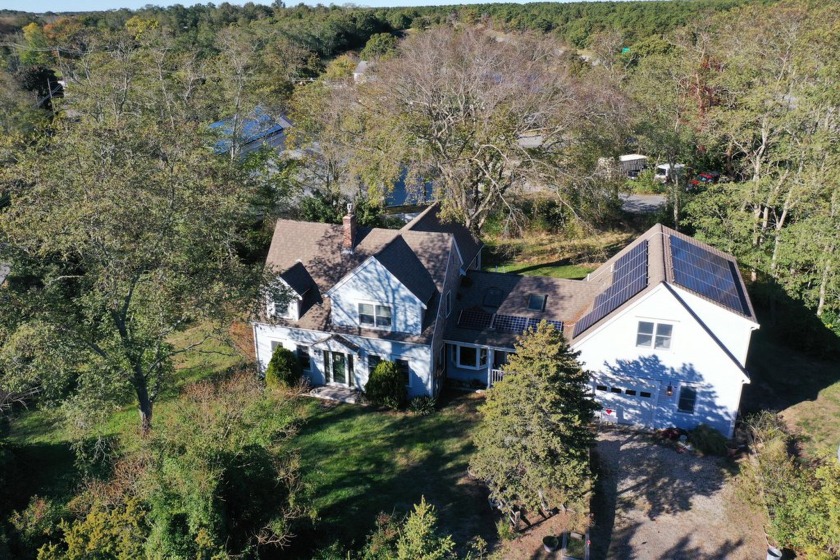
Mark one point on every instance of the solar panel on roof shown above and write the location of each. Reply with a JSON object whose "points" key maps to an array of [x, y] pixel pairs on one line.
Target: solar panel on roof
{"points": [[629, 277], [475, 319], [707, 274], [510, 323], [557, 324]]}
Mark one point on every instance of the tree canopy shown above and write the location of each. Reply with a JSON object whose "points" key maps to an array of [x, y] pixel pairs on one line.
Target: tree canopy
{"points": [[533, 441]]}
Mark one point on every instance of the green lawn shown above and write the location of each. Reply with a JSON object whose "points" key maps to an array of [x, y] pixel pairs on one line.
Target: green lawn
{"points": [[538, 253], [360, 462], [571, 271]]}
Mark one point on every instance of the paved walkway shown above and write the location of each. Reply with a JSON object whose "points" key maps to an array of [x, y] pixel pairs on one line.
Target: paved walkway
{"points": [[642, 203], [336, 393]]}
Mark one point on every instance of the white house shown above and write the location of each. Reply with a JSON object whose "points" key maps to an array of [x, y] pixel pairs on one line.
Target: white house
{"points": [[362, 295], [664, 325]]}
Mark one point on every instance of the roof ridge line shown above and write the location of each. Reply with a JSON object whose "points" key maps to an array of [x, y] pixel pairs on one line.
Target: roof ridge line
{"points": [[410, 225]]}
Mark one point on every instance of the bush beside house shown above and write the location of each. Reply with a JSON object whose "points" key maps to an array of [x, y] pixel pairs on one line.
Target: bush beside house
{"points": [[283, 369], [386, 386]]}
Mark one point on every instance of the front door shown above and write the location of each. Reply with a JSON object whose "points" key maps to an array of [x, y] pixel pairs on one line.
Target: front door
{"points": [[338, 368]]}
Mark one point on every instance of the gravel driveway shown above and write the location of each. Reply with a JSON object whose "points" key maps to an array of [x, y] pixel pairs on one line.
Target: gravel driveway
{"points": [[654, 503]]}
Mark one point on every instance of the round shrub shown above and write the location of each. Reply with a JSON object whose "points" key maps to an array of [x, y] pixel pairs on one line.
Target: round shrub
{"points": [[707, 440], [386, 386], [283, 369]]}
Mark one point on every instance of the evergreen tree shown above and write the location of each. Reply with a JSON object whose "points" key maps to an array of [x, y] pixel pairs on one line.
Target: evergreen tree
{"points": [[533, 439]]}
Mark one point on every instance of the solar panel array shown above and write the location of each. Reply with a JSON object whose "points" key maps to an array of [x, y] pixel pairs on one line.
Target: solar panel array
{"points": [[511, 323], [705, 273], [475, 318], [479, 319], [557, 324], [629, 277]]}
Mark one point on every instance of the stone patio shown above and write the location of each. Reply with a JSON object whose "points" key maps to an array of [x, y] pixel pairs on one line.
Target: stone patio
{"points": [[336, 393]]}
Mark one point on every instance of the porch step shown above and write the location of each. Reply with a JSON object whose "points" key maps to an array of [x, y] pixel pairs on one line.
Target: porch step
{"points": [[340, 394]]}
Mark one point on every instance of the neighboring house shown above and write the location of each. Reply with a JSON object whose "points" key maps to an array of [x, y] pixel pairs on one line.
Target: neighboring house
{"points": [[254, 131], [664, 325]]}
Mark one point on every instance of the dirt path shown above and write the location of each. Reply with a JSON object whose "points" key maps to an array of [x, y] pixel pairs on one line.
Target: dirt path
{"points": [[655, 503]]}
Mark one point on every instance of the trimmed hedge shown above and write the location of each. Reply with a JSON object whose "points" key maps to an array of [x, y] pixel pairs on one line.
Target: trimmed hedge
{"points": [[283, 369], [386, 386]]}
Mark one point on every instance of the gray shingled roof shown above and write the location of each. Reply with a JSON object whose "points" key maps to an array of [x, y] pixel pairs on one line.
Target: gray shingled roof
{"points": [[298, 279], [564, 299], [429, 221], [301, 250], [401, 261]]}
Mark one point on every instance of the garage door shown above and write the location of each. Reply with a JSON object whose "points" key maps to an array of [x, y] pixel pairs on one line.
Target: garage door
{"points": [[626, 401]]}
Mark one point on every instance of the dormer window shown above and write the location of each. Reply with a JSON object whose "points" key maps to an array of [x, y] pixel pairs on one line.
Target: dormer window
{"points": [[537, 302], [375, 315], [285, 311]]}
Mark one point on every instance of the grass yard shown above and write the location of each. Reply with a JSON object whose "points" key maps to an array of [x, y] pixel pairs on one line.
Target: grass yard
{"points": [[805, 389], [41, 442], [361, 462], [546, 254]]}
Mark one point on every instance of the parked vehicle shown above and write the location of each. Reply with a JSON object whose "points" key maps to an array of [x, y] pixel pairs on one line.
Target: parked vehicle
{"points": [[633, 164], [703, 179], [665, 174]]}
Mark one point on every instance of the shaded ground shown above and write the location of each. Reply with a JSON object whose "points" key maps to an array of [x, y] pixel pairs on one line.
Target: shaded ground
{"points": [[654, 503], [805, 389], [529, 545]]}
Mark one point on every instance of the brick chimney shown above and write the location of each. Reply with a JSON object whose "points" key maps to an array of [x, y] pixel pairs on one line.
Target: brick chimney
{"points": [[349, 239]]}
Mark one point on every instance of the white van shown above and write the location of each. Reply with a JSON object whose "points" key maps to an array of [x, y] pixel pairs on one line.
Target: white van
{"points": [[665, 174]]}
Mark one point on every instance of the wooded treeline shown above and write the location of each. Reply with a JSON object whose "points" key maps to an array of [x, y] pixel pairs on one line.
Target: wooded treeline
{"points": [[127, 218]]}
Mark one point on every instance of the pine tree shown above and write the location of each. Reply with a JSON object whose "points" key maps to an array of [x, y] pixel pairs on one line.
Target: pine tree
{"points": [[533, 439]]}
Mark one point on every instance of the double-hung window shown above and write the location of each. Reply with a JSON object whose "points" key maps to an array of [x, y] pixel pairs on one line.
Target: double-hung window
{"points": [[688, 398], [654, 335], [304, 358], [374, 315]]}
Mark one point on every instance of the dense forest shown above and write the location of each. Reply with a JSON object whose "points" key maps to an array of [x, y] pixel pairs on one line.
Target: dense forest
{"points": [[126, 218]]}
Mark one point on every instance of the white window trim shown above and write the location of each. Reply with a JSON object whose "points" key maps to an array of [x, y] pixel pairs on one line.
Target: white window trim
{"points": [[652, 345], [290, 312], [696, 396], [448, 303], [478, 365], [374, 326]]}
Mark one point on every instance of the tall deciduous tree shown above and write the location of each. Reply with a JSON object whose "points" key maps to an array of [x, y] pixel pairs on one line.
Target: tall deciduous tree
{"points": [[478, 117], [534, 437], [123, 228]]}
